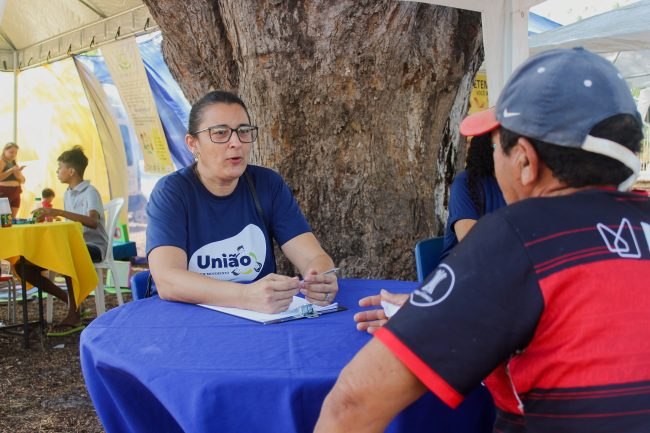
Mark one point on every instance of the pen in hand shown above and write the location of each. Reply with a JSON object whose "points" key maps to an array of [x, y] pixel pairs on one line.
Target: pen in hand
{"points": [[327, 272]]}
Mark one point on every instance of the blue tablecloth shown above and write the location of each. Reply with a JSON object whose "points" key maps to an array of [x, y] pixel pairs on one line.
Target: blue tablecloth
{"points": [[159, 366]]}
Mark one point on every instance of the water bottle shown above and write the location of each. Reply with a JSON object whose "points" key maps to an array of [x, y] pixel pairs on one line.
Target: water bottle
{"points": [[36, 216], [5, 212]]}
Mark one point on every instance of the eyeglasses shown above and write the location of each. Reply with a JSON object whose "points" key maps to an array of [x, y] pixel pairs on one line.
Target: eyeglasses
{"points": [[221, 133]]}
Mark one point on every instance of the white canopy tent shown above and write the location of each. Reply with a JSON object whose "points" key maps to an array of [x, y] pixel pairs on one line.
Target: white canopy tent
{"points": [[33, 32], [621, 35]]}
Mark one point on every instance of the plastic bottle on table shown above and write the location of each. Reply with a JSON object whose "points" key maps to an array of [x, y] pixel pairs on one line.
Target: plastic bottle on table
{"points": [[36, 216], [5, 212]]}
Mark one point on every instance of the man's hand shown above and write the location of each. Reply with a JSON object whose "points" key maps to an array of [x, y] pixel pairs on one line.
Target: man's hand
{"points": [[372, 320], [45, 211]]}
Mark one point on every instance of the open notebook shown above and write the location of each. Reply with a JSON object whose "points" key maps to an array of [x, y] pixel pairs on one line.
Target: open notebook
{"points": [[300, 308]]}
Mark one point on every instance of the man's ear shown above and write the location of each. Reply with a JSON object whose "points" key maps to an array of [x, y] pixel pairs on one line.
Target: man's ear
{"points": [[527, 162]]}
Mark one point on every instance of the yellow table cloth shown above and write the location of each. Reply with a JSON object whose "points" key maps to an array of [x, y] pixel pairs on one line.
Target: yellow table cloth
{"points": [[57, 246]]}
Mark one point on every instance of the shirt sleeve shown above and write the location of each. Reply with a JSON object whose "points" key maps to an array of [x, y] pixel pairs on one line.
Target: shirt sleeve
{"points": [[461, 205], [476, 309], [95, 202], [167, 216], [287, 220]]}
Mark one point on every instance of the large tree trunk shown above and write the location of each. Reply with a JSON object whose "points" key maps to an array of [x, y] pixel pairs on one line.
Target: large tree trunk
{"points": [[358, 104]]}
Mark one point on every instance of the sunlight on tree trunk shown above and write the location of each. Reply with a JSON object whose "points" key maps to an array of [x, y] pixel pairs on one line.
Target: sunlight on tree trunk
{"points": [[358, 104]]}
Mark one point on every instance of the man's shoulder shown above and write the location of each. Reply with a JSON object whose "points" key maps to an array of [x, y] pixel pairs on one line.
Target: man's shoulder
{"points": [[542, 214], [593, 196], [84, 189], [91, 188]]}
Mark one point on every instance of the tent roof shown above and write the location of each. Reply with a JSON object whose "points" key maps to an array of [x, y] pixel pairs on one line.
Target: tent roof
{"points": [[42, 30], [622, 35]]}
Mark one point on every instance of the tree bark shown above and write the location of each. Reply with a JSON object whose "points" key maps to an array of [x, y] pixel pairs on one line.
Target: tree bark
{"points": [[358, 104]]}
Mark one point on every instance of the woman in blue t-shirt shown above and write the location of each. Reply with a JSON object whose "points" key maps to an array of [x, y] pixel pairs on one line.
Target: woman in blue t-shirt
{"points": [[474, 192], [212, 224]]}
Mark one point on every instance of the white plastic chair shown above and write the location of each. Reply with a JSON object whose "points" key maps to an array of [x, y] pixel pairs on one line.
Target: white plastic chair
{"points": [[11, 296], [112, 208]]}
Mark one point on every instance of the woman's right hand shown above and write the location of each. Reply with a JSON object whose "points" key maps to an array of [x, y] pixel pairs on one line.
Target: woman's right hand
{"points": [[271, 294]]}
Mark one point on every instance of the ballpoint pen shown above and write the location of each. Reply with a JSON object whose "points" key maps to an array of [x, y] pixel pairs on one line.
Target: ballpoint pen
{"points": [[329, 271]]}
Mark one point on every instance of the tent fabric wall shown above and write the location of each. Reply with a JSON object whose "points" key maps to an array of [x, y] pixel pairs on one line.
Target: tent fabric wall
{"points": [[54, 115], [6, 107], [173, 108], [110, 137]]}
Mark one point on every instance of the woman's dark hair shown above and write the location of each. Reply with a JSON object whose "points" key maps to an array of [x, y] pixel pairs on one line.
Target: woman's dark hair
{"points": [[76, 159], [576, 167], [479, 164], [214, 97]]}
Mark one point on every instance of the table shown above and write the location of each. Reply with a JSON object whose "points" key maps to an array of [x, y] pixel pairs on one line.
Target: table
{"points": [[155, 365], [57, 246]]}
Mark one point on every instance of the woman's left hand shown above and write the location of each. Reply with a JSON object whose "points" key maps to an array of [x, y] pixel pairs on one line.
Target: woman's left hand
{"points": [[319, 289]]}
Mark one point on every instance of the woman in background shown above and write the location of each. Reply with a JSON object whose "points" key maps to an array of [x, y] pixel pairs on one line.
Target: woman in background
{"points": [[11, 177], [474, 192]]}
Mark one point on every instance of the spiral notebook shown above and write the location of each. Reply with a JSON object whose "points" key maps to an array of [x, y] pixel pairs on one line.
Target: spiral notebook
{"points": [[300, 308]]}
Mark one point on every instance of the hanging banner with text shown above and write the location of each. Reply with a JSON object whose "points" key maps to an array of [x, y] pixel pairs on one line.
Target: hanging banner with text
{"points": [[127, 70], [479, 99]]}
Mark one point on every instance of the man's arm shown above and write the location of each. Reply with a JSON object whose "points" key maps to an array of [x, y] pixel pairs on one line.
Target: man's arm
{"points": [[371, 390], [91, 220]]}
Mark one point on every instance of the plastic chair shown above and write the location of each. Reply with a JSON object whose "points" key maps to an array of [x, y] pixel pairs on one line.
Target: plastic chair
{"points": [[139, 284], [11, 296], [427, 255], [113, 208]]}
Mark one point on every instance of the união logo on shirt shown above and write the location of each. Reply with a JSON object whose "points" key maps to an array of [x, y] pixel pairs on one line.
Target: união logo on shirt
{"points": [[239, 258]]}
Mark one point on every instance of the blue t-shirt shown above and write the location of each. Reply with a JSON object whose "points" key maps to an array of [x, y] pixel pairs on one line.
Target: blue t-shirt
{"points": [[462, 207], [224, 237]]}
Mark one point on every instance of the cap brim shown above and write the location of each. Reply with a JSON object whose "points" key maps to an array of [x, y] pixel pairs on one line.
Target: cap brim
{"points": [[479, 123]]}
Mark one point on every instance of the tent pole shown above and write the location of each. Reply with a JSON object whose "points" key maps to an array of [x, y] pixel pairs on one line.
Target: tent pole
{"points": [[15, 119]]}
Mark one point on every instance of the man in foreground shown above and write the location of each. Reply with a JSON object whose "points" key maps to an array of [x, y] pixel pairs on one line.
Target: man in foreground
{"points": [[547, 298]]}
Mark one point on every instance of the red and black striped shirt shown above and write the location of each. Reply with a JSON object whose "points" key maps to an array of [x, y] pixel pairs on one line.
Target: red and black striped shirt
{"points": [[549, 299]]}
